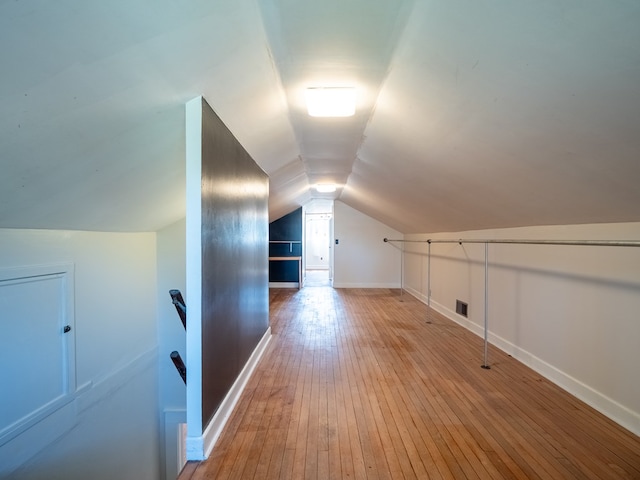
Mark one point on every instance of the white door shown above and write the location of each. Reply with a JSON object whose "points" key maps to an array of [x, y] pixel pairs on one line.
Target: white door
{"points": [[318, 238]]}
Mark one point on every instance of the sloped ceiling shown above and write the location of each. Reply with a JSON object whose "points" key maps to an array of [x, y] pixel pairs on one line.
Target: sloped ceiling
{"points": [[470, 114]]}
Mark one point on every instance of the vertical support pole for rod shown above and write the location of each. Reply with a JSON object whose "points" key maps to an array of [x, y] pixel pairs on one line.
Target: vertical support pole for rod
{"points": [[485, 365], [429, 275], [401, 270]]}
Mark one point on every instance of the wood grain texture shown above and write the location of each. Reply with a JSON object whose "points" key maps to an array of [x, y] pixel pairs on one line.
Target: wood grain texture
{"points": [[365, 384]]}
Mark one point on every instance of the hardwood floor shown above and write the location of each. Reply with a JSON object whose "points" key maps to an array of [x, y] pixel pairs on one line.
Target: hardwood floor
{"points": [[367, 384]]}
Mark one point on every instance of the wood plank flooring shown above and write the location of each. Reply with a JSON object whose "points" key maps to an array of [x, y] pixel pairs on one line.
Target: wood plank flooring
{"points": [[365, 384]]}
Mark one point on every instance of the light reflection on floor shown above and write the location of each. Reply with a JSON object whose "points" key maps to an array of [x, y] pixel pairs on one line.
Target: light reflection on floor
{"points": [[317, 278]]}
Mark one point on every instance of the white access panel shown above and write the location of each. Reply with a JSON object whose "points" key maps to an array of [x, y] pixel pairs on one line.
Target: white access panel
{"points": [[37, 345]]}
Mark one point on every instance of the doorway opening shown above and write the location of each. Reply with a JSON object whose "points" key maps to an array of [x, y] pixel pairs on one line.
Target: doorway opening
{"points": [[318, 251]]}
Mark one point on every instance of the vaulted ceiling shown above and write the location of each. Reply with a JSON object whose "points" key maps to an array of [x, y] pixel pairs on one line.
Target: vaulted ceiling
{"points": [[470, 114]]}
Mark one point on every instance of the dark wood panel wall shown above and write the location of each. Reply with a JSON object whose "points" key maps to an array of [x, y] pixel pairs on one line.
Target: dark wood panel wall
{"points": [[235, 285]]}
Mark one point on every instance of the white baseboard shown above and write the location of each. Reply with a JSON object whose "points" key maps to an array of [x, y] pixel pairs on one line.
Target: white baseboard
{"points": [[217, 423], [283, 284], [605, 405], [174, 441], [364, 285], [420, 296], [182, 442]]}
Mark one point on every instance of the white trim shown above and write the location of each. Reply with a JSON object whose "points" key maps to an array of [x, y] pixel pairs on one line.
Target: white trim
{"points": [[284, 285], [193, 294], [182, 442], [415, 293], [199, 448], [95, 391], [69, 414], [174, 433], [194, 447], [64, 275], [365, 285], [460, 320], [35, 439], [605, 405], [323, 268]]}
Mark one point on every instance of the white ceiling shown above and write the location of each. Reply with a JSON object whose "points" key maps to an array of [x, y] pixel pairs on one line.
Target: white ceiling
{"points": [[471, 114]]}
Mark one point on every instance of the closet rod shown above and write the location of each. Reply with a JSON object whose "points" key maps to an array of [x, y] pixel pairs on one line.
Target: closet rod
{"points": [[486, 242], [593, 243]]}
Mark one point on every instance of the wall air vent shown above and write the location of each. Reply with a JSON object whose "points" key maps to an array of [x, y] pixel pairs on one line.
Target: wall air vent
{"points": [[461, 308]]}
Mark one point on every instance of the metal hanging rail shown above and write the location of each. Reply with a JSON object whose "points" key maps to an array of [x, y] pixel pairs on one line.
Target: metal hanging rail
{"points": [[594, 243], [486, 242]]}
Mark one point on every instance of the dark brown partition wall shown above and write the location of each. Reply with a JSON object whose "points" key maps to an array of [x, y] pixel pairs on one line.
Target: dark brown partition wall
{"points": [[235, 284]]}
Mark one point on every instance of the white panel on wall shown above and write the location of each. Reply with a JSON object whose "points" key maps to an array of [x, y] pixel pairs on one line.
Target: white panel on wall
{"points": [[38, 348], [110, 426]]}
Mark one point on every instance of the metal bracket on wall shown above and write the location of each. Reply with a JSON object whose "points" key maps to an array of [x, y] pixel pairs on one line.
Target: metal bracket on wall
{"points": [[181, 308], [179, 364]]}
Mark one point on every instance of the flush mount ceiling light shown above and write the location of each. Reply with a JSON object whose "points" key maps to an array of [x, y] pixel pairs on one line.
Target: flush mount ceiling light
{"points": [[325, 188], [331, 101]]}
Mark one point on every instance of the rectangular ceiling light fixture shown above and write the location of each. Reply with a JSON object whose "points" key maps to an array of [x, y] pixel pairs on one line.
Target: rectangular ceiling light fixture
{"points": [[325, 188], [331, 101]]}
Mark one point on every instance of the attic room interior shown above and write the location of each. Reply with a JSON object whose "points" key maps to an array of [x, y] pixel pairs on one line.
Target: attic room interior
{"points": [[473, 212]]}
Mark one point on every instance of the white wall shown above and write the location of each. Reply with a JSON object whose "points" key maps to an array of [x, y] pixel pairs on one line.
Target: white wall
{"points": [[361, 258], [110, 429], [171, 336], [569, 312]]}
